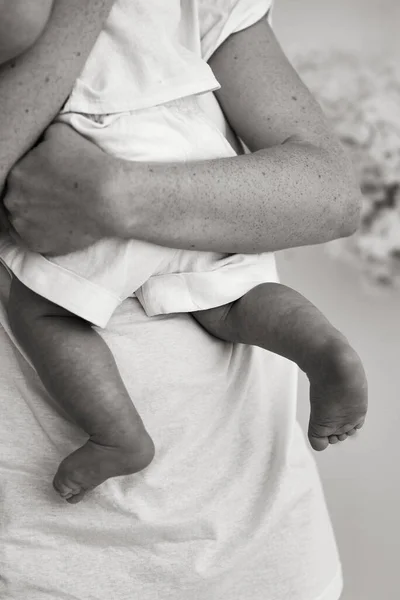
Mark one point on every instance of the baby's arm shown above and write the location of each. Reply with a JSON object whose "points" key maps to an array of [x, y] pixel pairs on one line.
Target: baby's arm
{"points": [[278, 319]]}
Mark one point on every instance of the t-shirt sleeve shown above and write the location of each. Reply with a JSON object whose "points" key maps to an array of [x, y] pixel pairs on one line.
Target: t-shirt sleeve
{"points": [[220, 18]]}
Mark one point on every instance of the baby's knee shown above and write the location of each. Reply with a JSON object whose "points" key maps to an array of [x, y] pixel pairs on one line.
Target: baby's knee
{"points": [[21, 24]]}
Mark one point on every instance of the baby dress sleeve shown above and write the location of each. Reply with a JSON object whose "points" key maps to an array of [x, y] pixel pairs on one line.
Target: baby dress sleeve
{"points": [[218, 19]]}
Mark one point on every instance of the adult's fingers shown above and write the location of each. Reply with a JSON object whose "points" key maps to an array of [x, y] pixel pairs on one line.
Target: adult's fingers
{"points": [[6, 227], [5, 224]]}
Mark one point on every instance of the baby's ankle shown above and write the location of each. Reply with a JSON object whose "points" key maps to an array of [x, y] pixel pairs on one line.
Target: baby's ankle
{"points": [[125, 438], [138, 446], [331, 355]]}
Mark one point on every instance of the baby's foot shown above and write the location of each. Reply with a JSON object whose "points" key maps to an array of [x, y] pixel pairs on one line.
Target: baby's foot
{"points": [[338, 395], [93, 463]]}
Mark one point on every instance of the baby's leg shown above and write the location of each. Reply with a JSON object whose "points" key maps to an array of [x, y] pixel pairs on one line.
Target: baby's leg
{"points": [[282, 321], [21, 24], [78, 370]]}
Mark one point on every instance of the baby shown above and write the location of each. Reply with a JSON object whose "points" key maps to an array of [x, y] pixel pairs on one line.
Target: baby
{"points": [[54, 304]]}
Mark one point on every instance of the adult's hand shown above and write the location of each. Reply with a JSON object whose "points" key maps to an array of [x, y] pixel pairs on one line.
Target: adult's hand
{"points": [[58, 195]]}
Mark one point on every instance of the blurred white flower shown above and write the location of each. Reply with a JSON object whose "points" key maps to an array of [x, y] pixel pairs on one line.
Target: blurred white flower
{"points": [[362, 100]]}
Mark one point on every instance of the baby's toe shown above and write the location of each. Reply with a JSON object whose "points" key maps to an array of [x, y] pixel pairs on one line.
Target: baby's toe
{"points": [[65, 489], [76, 497], [61, 488], [318, 443], [352, 432], [333, 439], [342, 437]]}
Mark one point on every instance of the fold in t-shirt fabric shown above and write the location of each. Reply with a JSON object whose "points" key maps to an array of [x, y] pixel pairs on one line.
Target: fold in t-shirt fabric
{"points": [[171, 43]]}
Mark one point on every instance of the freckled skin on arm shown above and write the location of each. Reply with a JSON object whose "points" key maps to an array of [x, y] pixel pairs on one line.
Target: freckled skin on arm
{"points": [[297, 187], [33, 87]]}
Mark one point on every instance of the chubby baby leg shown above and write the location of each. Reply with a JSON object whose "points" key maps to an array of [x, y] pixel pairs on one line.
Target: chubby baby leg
{"points": [[79, 371], [279, 319]]}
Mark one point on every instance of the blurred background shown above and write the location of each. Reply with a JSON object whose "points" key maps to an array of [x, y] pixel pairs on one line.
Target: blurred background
{"points": [[346, 52]]}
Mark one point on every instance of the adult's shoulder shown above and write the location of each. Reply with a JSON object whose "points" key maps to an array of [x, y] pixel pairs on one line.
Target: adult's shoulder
{"points": [[218, 19]]}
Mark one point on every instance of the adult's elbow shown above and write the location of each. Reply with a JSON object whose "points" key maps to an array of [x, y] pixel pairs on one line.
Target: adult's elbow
{"points": [[348, 217], [347, 204], [352, 220]]}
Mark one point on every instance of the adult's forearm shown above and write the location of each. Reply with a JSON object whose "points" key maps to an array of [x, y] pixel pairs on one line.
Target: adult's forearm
{"points": [[286, 196], [34, 86]]}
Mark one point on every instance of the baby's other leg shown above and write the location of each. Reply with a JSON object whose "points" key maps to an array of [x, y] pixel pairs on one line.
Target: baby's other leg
{"points": [[279, 319], [21, 24], [79, 371]]}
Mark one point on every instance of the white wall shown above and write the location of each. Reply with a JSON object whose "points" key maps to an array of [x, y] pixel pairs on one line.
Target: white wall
{"points": [[361, 476], [371, 26]]}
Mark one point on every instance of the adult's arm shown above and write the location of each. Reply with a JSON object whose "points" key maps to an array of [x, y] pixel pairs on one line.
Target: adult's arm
{"points": [[296, 188], [34, 86]]}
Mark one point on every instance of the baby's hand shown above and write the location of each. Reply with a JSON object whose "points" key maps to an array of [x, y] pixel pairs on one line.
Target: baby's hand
{"points": [[338, 396]]}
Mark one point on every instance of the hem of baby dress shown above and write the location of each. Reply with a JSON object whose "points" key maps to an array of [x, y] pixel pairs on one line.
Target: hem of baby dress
{"points": [[59, 285], [188, 292], [85, 103]]}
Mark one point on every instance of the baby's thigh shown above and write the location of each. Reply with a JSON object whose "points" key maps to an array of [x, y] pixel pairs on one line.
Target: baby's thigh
{"points": [[214, 320]]}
